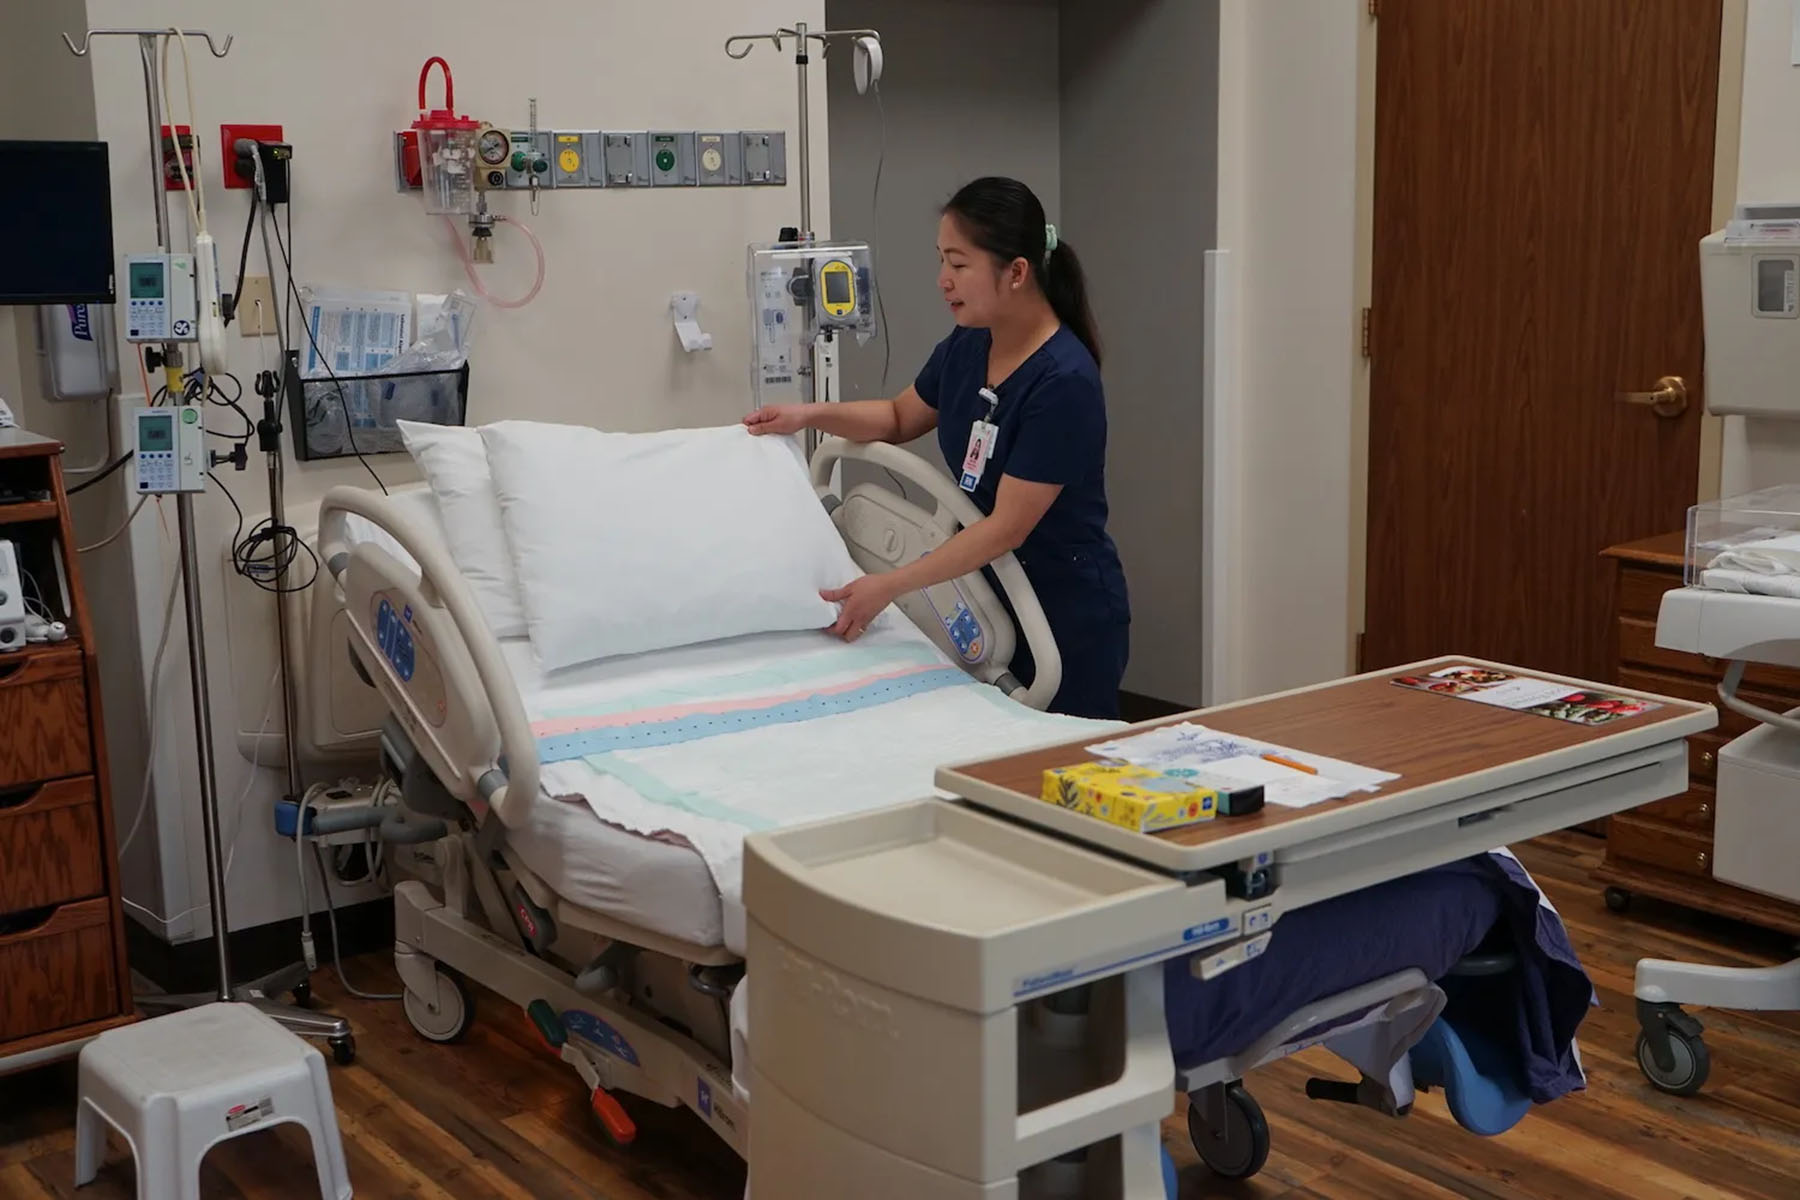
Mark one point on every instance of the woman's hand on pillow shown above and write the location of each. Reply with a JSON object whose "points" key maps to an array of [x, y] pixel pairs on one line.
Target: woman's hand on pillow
{"points": [[779, 419], [860, 602]]}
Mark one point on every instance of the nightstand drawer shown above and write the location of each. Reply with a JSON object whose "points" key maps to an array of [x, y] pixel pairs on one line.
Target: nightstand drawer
{"points": [[58, 968], [43, 713], [1658, 844], [50, 844], [1694, 810]]}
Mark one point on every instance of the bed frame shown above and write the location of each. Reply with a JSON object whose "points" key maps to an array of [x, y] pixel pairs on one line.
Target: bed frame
{"points": [[629, 1009]]}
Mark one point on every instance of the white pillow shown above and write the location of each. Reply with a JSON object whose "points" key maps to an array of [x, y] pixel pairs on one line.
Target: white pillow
{"points": [[632, 542], [455, 464]]}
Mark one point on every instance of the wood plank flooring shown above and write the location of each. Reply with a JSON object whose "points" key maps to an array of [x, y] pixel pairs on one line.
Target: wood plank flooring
{"points": [[496, 1117]]}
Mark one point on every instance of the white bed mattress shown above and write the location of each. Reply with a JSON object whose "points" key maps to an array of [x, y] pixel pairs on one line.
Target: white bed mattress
{"points": [[659, 884]]}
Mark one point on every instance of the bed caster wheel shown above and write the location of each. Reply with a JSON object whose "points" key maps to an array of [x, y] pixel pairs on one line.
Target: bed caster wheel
{"points": [[1236, 1147], [1686, 1062], [343, 1050], [302, 995], [1618, 899], [451, 1016]]}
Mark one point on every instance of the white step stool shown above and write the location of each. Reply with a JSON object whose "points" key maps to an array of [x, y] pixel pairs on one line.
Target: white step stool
{"points": [[176, 1086]]}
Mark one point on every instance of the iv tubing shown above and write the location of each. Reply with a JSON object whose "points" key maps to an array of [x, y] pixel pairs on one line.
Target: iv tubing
{"points": [[462, 252]]}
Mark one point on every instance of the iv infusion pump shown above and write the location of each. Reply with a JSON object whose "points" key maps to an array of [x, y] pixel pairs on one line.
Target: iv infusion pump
{"points": [[805, 296], [161, 300], [170, 448]]}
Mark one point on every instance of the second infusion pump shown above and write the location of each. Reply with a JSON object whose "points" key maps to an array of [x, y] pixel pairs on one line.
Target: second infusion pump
{"points": [[802, 293]]}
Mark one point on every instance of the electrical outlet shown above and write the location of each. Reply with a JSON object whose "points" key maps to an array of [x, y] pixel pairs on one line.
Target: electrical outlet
{"points": [[252, 322]]}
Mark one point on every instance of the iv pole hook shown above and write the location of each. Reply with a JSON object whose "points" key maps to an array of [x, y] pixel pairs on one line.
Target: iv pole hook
{"points": [[218, 51]]}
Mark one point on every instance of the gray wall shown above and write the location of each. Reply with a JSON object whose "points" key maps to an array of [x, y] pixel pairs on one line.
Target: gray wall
{"points": [[970, 89], [1108, 109], [1139, 96]]}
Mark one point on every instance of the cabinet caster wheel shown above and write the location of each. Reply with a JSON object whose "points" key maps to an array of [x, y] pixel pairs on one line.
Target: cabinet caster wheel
{"points": [[1239, 1147], [1618, 899], [343, 1050], [1688, 1065]]}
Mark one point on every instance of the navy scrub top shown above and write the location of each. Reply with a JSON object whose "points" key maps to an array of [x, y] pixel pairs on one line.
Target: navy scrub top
{"points": [[1051, 422]]}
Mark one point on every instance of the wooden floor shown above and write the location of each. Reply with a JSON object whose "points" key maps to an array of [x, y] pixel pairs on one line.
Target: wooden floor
{"points": [[496, 1117]]}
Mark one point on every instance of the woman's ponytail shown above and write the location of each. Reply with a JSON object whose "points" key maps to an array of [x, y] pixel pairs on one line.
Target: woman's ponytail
{"points": [[1065, 286], [1005, 218]]}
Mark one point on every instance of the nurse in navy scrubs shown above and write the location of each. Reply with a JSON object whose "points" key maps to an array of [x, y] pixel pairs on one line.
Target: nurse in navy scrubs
{"points": [[1021, 372]]}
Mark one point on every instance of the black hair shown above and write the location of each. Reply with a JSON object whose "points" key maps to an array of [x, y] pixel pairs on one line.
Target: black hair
{"points": [[1003, 217]]}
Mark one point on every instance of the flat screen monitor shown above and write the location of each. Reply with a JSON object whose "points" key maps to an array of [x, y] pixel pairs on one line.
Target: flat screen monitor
{"points": [[61, 251]]}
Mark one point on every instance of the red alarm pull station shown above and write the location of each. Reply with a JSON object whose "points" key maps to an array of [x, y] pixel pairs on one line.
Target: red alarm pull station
{"points": [[229, 136]]}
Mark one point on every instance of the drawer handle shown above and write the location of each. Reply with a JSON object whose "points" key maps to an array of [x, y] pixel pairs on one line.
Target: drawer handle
{"points": [[24, 922], [1706, 758], [20, 797], [1705, 808], [1700, 858], [10, 668]]}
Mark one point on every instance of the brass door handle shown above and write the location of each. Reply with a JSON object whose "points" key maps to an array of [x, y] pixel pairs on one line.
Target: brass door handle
{"points": [[1668, 399]]}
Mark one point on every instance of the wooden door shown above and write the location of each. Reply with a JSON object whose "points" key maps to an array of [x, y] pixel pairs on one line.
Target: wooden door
{"points": [[1543, 175]]}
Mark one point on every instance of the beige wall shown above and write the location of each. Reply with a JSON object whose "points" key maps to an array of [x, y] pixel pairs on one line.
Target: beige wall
{"points": [[595, 347], [1287, 212]]}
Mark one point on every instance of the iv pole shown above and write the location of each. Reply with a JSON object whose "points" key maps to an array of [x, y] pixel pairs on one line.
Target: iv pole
{"points": [[739, 46], [335, 1030]]}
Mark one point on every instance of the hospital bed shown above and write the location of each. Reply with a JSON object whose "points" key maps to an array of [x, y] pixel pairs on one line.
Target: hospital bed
{"points": [[566, 889]]}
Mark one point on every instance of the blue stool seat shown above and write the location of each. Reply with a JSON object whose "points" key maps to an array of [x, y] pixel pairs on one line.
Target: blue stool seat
{"points": [[1480, 1084]]}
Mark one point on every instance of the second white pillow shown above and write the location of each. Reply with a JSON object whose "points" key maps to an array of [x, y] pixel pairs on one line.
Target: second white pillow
{"points": [[625, 543], [455, 464]]}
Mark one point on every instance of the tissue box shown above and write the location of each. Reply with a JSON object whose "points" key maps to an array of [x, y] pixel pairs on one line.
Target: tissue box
{"points": [[1133, 797]]}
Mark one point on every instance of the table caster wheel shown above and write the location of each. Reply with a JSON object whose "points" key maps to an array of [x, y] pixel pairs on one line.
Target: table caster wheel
{"points": [[343, 1050], [1618, 899], [1687, 1066], [303, 995], [1239, 1147]]}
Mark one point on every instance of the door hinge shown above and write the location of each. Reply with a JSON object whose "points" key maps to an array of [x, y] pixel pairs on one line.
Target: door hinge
{"points": [[1374, 8], [1368, 349]]}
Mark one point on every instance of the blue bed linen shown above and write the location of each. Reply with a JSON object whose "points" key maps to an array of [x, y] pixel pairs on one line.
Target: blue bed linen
{"points": [[1429, 921]]}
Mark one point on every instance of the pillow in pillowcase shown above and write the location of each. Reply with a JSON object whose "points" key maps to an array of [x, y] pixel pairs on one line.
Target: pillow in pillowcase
{"points": [[454, 462], [629, 542]]}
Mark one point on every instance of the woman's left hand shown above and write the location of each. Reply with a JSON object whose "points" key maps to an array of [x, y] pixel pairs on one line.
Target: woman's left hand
{"points": [[862, 600]]}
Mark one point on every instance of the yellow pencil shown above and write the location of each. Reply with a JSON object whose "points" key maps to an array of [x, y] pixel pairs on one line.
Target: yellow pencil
{"points": [[1288, 762]]}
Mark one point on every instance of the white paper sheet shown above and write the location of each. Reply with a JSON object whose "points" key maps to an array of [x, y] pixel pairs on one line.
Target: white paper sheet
{"points": [[1187, 746]]}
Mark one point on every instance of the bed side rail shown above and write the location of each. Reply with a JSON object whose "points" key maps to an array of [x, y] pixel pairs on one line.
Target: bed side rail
{"points": [[953, 511], [422, 640]]}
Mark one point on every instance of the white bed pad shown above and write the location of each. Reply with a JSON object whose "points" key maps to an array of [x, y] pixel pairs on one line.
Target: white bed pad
{"points": [[726, 773]]}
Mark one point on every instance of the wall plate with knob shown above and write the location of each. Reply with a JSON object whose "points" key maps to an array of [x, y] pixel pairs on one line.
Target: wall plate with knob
{"points": [[672, 160], [721, 159]]}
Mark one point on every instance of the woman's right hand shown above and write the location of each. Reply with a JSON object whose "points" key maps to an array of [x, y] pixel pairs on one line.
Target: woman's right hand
{"points": [[777, 419]]}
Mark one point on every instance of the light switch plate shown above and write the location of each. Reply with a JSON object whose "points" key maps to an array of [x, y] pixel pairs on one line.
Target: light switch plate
{"points": [[250, 322]]}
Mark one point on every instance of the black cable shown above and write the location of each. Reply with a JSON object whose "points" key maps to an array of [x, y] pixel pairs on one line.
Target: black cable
{"points": [[267, 551], [287, 260], [887, 340], [244, 254], [112, 466]]}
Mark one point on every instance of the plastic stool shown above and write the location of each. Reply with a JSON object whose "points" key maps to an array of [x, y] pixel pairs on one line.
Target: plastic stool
{"points": [[176, 1086]]}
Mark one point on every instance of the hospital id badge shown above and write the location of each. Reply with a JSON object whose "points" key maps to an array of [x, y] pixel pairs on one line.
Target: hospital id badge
{"points": [[982, 435]]}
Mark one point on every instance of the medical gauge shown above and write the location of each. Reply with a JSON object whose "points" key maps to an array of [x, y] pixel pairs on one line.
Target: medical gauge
{"points": [[493, 147], [805, 296], [170, 447], [161, 302]]}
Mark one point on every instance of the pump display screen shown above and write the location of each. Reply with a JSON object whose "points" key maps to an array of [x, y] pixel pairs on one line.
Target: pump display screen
{"points": [[837, 287], [154, 435], [146, 281]]}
